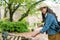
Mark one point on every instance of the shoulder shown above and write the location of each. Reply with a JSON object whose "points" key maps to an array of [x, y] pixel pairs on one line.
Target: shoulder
{"points": [[50, 15]]}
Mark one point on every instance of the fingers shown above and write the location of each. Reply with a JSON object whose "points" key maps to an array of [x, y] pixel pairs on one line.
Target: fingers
{"points": [[34, 35]]}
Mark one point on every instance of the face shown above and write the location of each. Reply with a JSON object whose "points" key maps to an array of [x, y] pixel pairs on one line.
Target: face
{"points": [[44, 10]]}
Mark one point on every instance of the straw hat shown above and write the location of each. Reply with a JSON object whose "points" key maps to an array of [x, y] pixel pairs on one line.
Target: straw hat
{"points": [[42, 5]]}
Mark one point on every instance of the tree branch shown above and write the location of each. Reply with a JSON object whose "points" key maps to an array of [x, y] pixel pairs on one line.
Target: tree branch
{"points": [[6, 2], [5, 12], [27, 12], [15, 8]]}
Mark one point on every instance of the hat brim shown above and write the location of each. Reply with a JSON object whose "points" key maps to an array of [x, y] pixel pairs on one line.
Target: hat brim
{"points": [[42, 7]]}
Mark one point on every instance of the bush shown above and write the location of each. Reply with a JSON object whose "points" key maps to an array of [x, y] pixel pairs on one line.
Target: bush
{"points": [[15, 26]]}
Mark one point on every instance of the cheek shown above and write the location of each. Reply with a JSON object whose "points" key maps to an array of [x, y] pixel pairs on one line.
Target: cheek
{"points": [[44, 10]]}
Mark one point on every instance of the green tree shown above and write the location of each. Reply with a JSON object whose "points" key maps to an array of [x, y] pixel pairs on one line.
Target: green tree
{"points": [[29, 9], [13, 5]]}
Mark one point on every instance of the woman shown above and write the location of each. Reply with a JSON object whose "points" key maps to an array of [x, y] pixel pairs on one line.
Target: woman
{"points": [[50, 23]]}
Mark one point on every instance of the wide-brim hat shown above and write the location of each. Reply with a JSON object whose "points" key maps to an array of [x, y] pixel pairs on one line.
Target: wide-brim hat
{"points": [[42, 5]]}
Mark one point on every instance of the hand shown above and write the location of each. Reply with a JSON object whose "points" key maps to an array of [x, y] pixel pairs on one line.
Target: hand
{"points": [[35, 35]]}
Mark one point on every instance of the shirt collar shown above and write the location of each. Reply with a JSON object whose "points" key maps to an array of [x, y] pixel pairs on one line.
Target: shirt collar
{"points": [[45, 14]]}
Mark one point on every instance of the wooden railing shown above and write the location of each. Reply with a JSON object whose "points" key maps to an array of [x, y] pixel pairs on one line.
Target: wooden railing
{"points": [[17, 38], [24, 36], [7, 36]]}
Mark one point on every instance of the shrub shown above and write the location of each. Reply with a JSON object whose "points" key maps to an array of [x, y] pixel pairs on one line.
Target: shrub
{"points": [[15, 26]]}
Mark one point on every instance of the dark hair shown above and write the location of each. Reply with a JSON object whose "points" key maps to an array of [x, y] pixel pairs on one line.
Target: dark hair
{"points": [[49, 11]]}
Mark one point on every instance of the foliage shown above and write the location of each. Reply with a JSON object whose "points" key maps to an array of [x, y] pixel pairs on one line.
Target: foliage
{"points": [[29, 9], [14, 26], [13, 5]]}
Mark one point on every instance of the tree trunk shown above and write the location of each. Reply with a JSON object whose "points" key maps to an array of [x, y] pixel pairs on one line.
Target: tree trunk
{"points": [[11, 17], [10, 13], [5, 13]]}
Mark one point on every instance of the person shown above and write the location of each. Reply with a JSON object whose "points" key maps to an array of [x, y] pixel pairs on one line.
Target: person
{"points": [[50, 23]]}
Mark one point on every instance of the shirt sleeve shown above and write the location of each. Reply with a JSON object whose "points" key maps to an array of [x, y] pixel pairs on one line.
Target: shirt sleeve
{"points": [[47, 24]]}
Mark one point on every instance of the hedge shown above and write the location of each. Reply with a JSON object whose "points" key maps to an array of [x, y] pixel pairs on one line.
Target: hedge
{"points": [[14, 26]]}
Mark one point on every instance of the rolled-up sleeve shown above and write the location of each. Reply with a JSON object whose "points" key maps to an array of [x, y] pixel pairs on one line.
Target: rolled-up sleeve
{"points": [[47, 24]]}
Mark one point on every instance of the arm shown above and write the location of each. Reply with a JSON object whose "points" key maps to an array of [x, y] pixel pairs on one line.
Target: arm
{"points": [[47, 24]]}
